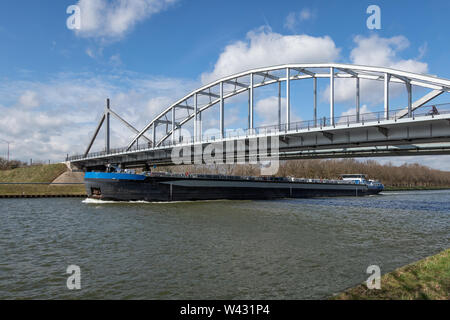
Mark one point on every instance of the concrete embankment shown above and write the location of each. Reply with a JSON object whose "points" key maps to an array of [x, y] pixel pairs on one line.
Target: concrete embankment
{"points": [[427, 279], [69, 177], [54, 180]]}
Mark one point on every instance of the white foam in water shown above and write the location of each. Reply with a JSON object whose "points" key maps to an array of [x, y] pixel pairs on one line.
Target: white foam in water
{"points": [[97, 201], [409, 192]]}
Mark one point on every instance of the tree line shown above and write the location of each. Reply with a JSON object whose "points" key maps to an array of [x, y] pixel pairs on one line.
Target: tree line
{"points": [[11, 164], [406, 175]]}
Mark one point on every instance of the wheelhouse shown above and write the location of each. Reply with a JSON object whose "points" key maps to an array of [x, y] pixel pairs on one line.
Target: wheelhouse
{"points": [[356, 178]]}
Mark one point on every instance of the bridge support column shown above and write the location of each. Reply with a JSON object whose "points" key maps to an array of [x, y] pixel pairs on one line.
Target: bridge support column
{"points": [[315, 100], [222, 122], [358, 102], [250, 106], [107, 118], [332, 96], [387, 78], [288, 99]]}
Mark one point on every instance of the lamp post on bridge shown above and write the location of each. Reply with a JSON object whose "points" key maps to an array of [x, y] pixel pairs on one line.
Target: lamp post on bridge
{"points": [[7, 142]]}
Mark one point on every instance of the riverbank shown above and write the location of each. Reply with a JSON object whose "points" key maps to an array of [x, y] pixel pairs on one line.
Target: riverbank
{"points": [[427, 279], [39, 181], [40, 190], [33, 174]]}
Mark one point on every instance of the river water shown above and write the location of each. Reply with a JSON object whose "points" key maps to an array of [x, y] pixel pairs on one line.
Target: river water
{"points": [[283, 249]]}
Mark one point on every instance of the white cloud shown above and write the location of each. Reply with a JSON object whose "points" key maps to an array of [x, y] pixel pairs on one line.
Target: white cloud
{"points": [[381, 52], [350, 114], [423, 50], [29, 99], [267, 110], [293, 19], [95, 52], [305, 14], [115, 60], [156, 105], [113, 19], [352, 111], [71, 104], [90, 52], [265, 48], [378, 51]]}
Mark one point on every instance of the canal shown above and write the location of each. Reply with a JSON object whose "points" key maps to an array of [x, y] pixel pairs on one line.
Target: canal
{"points": [[282, 249]]}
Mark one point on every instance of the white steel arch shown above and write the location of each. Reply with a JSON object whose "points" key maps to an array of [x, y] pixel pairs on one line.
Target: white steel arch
{"points": [[251, 79]]}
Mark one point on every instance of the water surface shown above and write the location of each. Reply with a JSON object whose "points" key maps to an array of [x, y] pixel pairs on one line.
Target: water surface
{"points": [[282, 249]]}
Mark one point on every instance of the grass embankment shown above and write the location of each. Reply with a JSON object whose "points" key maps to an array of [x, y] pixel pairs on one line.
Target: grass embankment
{"points": [[427, 279], [37, 174]]}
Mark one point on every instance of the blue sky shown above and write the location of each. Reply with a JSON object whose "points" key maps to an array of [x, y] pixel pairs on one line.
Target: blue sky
{"points": [[145, 54]]}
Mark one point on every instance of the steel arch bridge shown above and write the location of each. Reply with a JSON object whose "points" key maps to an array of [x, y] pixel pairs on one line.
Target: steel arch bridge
{"points": [[335, 136]]}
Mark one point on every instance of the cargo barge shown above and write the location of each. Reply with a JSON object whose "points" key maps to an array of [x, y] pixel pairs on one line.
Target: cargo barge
{"points": [[156, 186]]}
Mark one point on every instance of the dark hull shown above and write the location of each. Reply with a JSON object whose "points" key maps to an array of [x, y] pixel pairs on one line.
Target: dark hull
{"points": [[180, 189]]}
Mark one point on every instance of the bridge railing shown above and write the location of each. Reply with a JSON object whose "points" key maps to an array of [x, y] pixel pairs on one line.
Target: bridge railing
{"points": [[370, 117]]}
